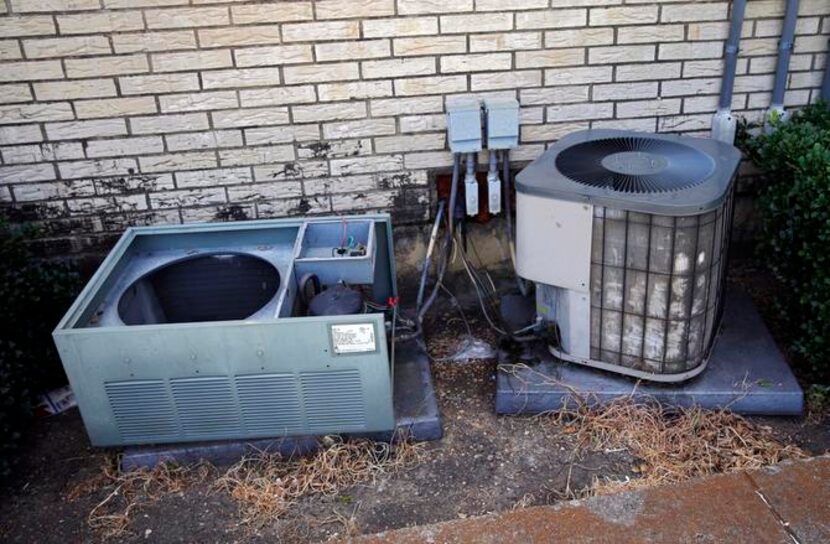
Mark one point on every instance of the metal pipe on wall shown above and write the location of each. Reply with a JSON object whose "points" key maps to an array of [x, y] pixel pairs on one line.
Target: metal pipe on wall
{"points": [[723, 123], [825, 83], [782, 68]]}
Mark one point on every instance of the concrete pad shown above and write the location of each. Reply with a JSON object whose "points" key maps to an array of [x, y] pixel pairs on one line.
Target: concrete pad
{"points": [[723, 508], [416, 416], [747, 373]]}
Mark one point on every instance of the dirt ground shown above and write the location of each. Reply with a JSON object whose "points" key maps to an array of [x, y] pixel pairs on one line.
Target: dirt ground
{"points": [[484, 464]]}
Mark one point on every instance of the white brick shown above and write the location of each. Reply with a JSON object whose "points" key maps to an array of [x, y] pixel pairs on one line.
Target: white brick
{"points": [[173, 103], [76, 130], [105, 21], [43, 6], [411, 142], [627, 91], [158, 84], [340, 184], [137, 183], [688, 50], [550, 58], [30, 192], [463, 24], [428, 159], [106, 66], [13, 26], [684, 87], [10, 94], [249, 117], [235, 36], [647, 108], [618, 16], [27, 173], [682, 13], [29, 113], [551, 18], [360, 128], [366, 49], [655, 70], [281, 134], [506, 80], [549, 131], [745, 84], [31, 70], [263, 191], [124, 146], [337, 9], [192, 60], [362, 165], [170, 40], [423, 123], [579, 37], [430, 85], [621, 53], [256, 155], [115, 107], [204, 140], [505, 41], [335, 149], [246, 77], [642, 124], [429, 45], [579, 112], [554, 95], [277, 96], [314, 73], [577, 75], [476, 62], [810, 44], [43, 152], [97, 167], [709, 31], [161, 124], [107, 204], [10, 50], [650, 34], [66, 47], [172, 162], [328, 112], [272, 56], [191, 197], [266, 13], [402, 106], [66, 90], [311, 32], [219, 176], [404, 26], [421, 66], [20, 134], [354, 90], [504, 5], [187, 17], [418, 7], [290, 171]]}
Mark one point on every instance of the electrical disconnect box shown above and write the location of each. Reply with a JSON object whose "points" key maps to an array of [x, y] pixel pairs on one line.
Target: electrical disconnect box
{"points": [[464, 125], [502, 123]]}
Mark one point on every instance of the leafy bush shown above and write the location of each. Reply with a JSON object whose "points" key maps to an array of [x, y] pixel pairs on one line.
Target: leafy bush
{"points": [[34, 295], [795, 216]]}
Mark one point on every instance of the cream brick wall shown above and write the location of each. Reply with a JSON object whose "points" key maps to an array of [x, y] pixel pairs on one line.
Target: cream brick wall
{"points": [[125, 112]]}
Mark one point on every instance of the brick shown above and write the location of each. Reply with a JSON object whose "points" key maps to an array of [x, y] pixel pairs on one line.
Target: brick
{"points": [[328, 112], [649, 34], [423, 123], [169, 40], [233, 36], [463, 24], [314, 73], [577, 75], [354, 90], [172, 162], [174, 103], [335, 149], [366, 49], [683, 13], [579, 112], [28, 113], [337, 9], [621, 53], [359, 128], [403, 26], [161, 124], [31, 70], [13, 26], [328, 31], [246, 77], [272, 56], [504, 5], [106, 21], [66, 47], [506, 80], [627, 15], [282, 134], [646, 108], [66, 90], [107, 204], [187, 197], [549, 131], [187, 17], [10, 94], [404, 106], [263, 191], [579, 37], [115, 107], [682, 87], [429, 45], [277, 96], [655, 70], [745, 84], [418, 7], [106, 66], [31, 192], [219, 176], [10, 50], [708, 31], [192, 60], [204, 140], [44, 6], [554, 95], [43, 152], [688, 50], [772, 27], [159, 83], [249, 117], [476, 62], [26, 173], [341, 184], [256, 155], [619, 91], [362, 165], [20, 134], [642, 124], [410, 142], [550, 18], [810, 44], [398, 67], [430, 85], [124, 146], [119, 4], [290, 171], [76, 130], [266, 13], [97, 167], [428, 159], [505, 41], [549, 58]]}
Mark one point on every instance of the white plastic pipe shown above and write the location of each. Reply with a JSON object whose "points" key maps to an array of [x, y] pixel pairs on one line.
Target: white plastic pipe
{"points": [[493, 185], [471, 186]]}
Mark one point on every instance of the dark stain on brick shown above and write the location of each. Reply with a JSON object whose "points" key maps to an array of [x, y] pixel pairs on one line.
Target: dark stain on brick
{"points": [[290, 170], [302, 207], [232, 213], [135, 184], [393, 181], [319, 150], [27, 213]]}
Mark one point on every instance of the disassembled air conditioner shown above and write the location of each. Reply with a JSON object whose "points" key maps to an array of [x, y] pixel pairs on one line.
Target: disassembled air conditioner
{"points": [[235, 331], [626, 236]]}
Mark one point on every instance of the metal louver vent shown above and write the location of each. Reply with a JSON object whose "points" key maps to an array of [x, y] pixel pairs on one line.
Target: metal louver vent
{"points": [[270, 404], [206, 407], [333, 400], [634, 164], [142, 410]]}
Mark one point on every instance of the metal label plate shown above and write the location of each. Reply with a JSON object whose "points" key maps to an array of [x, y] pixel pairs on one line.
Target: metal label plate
{"points": [[353, 338]]}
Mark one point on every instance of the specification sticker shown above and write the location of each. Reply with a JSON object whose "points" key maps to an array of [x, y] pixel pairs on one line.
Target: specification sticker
{"points": [[353, 338]]}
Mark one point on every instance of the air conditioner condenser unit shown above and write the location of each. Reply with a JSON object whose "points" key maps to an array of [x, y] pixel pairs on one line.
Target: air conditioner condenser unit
{"points": [[626, 235]]}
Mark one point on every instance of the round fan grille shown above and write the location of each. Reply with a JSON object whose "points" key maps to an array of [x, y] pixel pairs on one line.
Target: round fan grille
{"points": [[635, 165]]}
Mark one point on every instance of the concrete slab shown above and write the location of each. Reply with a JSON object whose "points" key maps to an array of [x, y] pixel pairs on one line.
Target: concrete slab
{"points": [[747, 373], [416, 416]]}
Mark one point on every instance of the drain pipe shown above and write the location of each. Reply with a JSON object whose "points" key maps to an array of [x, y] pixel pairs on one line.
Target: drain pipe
{"points": [[825, 84], [428, 258], [723, 123], [508, 217], [785, 48]]}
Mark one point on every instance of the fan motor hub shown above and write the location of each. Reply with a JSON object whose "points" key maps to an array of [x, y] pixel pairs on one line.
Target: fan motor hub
{"points": [[635, 163]]}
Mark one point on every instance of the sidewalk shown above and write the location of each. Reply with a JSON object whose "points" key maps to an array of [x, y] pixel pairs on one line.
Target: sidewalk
{"points": [[787, 503]]}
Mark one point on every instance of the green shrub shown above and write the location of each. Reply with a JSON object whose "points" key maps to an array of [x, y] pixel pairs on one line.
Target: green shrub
{"points": [[795, 214], [34, 295]]}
